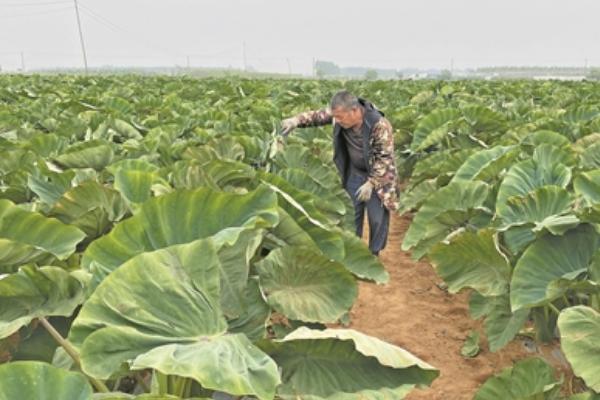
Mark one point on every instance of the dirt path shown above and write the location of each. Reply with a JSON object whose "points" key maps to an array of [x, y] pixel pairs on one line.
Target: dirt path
{"points": [[414, 313]]}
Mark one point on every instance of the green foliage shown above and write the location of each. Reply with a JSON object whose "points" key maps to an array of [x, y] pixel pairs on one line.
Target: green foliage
{"points": [[104, 180], [169, 212], [580, 336], [532, 378], [23, 380]]}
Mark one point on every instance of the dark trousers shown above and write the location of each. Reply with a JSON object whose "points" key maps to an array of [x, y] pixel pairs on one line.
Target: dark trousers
{"points": [[377, 215]]}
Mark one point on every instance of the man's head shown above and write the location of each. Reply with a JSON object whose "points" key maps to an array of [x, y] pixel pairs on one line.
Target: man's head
{"points": [[346, 109]]}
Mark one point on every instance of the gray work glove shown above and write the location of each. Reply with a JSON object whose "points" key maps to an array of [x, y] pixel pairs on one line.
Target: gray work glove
{"points": [[364, 192], [288, 125]]}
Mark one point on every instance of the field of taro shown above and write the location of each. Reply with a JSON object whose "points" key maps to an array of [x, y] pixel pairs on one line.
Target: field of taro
{"points": [[160, 240]]}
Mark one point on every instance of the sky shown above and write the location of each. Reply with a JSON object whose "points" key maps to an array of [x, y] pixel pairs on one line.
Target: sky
{"points": [[285, 36]]}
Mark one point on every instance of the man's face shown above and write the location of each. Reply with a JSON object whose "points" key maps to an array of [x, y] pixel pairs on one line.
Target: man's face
{"points": [[347, 118]]}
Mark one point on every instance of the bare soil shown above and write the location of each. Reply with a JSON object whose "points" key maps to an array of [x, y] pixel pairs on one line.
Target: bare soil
{"points": [[413, 311]]}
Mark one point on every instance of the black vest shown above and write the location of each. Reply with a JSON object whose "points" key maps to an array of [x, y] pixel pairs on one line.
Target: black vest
{"points": [[340, 150]]}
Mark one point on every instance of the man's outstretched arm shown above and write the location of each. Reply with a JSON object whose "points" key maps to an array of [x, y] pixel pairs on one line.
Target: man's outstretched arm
{"points": [[309, 118]]}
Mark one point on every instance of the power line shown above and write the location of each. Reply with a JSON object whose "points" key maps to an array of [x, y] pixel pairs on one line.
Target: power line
{"points": [[92, 53], [111, 25], [33, 14], [37, 4], [115, 29]]}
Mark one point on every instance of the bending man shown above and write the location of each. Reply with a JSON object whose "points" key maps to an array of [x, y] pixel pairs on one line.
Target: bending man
{"points": [[363, 152]]}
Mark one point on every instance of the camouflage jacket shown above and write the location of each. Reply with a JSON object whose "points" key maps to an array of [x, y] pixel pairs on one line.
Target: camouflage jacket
{"points": [[379, 150]]}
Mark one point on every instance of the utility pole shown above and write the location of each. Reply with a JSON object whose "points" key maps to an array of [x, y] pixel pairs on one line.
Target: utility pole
{"points": [[314, 68], [81, 37], [22, 62], [289, 65]]}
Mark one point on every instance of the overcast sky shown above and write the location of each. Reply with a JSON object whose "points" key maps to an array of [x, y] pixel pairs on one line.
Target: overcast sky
{"points": [[280, 34]]}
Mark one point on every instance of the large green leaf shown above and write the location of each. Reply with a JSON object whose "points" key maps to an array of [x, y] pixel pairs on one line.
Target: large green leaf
{"points": [[304, 285], [517, 238], [355, 255], [91, 207], [291, 231], [309, 204], [296, 228], [236, 247], [415, 196], [227, 363], [255, 313], [123, 130], [479, 306], [300, 206], [440, 164], [486, 164], [536, 138], [177, 218], [36, 292], [95, 154], [344, 364], [299, 158], [591, 156], [529, 379], [293, 156], [472, 260], [548, 259], [47, 145], [179, 332], [483, 119], [525, 177], [502, 324], [433, 128], [580, 340], [581, 113], [34, 380], [254, 148], [227, 148], [459, 200], [216, 174], [548, 155], [587, 185], [544, 208], [26, 236], [304, 181], [49, 186], [134, 179], [360, 261]]}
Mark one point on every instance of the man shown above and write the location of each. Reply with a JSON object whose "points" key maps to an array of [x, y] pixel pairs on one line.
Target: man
{"points": [[363, 148]]}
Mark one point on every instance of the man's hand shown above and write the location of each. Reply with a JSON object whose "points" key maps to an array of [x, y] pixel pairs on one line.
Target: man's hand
{"points": [[364, 192], [288, 125]]}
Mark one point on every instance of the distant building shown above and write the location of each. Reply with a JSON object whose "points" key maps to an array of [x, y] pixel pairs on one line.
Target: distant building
{"points": [[559, 78]]}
